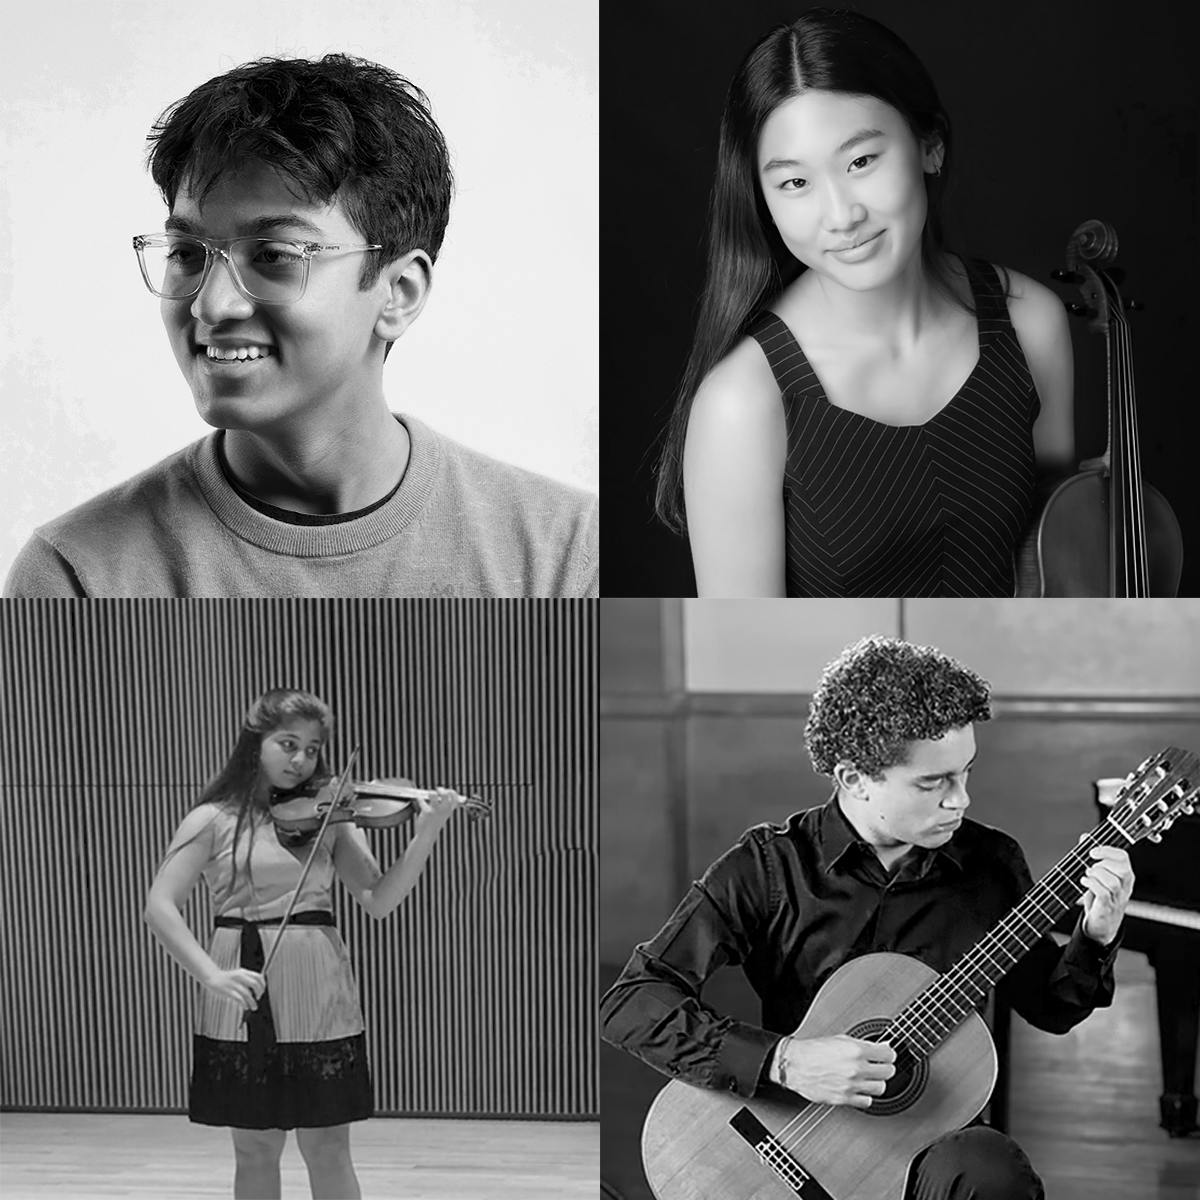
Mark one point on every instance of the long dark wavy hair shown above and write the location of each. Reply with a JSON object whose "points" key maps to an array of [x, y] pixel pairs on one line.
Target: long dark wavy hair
{"points": [[340, 125], [748, 265], [240, 786]]}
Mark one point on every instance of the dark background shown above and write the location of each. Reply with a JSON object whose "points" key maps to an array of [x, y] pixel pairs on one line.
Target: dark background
{"points": [[1061, 112]]}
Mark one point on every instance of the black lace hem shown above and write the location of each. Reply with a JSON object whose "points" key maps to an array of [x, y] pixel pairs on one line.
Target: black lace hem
{"points": [[303, 1085]]}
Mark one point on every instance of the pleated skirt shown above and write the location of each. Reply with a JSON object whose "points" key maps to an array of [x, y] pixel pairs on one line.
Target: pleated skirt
{"points": [[316, 1074]]}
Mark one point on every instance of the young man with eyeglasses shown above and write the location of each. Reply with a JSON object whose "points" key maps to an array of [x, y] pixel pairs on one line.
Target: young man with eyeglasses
{"points": [[308, 202]]}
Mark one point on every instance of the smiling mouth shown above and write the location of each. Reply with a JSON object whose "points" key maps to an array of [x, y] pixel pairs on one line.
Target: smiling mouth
{"points": [[843, 249]]}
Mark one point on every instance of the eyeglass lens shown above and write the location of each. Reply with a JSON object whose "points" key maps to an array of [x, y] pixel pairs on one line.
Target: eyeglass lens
{"points": [[269, 270]]}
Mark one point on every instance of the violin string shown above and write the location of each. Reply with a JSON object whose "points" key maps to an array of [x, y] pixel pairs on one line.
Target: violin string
{"points": [[1126, 516], [1118, 584], [1136, 522], [1144, 551], [1121, 515]]}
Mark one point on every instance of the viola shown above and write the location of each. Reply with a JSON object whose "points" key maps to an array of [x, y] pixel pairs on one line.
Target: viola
{"points": [[1104, 531], [375, 804]]}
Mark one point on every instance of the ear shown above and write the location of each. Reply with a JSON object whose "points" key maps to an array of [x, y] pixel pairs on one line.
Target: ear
{"points": [[408, 281], [933, 153], [851, 780]]}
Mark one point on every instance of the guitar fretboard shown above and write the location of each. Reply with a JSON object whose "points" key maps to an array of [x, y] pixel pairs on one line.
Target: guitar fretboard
{"points": [[942, 1006]]}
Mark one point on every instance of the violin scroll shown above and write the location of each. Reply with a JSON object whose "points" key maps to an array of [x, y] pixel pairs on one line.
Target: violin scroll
{"points": [[1092, 248]]}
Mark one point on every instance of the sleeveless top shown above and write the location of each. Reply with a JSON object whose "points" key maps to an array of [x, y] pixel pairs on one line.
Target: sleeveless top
{"points": [[314, 994], [266, 889], [919, 510]]}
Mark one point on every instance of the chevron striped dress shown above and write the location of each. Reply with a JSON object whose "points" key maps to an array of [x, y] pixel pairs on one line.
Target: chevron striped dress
{"points": [[919, 510]]}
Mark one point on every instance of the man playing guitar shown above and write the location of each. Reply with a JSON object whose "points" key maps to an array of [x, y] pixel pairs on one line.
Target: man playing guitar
{"points": [[890, 863]]}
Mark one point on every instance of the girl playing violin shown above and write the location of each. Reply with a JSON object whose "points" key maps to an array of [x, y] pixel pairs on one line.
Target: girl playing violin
{"points": [[298, 1060]]}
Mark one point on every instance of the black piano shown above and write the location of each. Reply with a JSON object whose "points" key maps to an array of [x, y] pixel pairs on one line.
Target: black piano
{"points": [[1163, 923]]}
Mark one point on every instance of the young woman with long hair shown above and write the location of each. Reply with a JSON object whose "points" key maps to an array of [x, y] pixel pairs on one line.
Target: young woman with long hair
{"points": [[863, 413], [299, 1062]]}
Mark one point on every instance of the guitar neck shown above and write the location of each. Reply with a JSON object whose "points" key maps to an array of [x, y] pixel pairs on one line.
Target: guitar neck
{"points": [[941, 1007]]}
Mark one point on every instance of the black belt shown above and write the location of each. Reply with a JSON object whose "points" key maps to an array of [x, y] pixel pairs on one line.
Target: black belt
{"points": [[260, 1023]]}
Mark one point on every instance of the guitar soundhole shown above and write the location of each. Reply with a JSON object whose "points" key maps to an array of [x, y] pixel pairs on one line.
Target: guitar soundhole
{"points": [[911, 1072]]}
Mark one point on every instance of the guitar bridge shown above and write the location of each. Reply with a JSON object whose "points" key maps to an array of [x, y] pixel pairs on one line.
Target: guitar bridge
{"points": [[774, 1154]]}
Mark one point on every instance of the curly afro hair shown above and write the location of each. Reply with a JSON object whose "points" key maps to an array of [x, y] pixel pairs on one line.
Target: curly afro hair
{"points": [[881, 694]]}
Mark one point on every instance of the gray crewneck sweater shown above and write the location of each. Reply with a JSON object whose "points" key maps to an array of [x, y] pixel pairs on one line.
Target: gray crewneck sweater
{"points": [[460, 524]]}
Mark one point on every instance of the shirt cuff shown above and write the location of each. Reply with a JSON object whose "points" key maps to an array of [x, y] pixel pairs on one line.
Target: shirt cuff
{"points": [[741, 1060], [1088, 954]]}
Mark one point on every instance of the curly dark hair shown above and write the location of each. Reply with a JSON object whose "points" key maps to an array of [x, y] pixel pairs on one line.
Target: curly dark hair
{"points": [[879, 695], [340, 125]]}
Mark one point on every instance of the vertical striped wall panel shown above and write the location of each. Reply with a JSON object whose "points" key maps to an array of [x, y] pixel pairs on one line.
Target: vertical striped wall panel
{"points": [[478, 992]]}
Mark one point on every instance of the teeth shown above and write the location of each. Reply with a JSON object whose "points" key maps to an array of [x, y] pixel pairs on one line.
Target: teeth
{"points": [[241, 353]]}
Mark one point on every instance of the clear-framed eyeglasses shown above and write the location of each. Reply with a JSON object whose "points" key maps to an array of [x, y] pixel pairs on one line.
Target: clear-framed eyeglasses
{"points": [[265, 270]]}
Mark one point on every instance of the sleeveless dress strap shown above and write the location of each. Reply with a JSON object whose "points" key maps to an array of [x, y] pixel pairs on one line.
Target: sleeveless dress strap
{"points": [[779, 344]]}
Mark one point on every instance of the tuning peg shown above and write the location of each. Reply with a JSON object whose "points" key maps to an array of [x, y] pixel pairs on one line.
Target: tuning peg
{"points": [[1135, 306], [1066, 276], [1154, 837]]}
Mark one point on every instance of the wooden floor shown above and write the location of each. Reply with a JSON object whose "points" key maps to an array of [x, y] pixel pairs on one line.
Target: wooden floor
{"points": [[1084, 1105], [81, 1157]]}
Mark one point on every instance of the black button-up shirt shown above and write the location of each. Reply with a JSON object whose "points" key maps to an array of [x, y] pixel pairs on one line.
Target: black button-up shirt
{"points": [[791, 903]]}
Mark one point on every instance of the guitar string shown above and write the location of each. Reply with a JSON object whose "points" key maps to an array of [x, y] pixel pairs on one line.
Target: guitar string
{"points": [[945, 985], [805, 1122], [791, 1134], [809, 1118], [1166, 781]]}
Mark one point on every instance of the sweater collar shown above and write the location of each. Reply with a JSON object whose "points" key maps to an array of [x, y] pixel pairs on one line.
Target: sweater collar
{"points": [[319, 541]]}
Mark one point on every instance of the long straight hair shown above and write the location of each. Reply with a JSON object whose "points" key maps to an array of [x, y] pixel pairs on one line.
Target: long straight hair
{"points": [[748, 264], [240, 786]]}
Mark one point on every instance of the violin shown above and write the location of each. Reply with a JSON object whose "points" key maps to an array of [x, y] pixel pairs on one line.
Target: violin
{"points": [[1104, 531], [375, 804]]}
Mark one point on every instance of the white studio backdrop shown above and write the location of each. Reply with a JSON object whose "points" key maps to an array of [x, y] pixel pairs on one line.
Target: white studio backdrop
{"points": [[505, 356]]}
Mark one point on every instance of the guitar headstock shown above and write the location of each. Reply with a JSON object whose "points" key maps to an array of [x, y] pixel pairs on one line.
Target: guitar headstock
{"points": [[1157, 794]]}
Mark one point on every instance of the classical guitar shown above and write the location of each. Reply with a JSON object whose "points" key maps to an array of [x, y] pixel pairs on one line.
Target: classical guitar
{"points": [[699, 1144]]}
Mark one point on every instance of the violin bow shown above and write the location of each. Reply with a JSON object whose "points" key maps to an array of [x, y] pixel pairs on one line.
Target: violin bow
{"points": [[343, 783]]}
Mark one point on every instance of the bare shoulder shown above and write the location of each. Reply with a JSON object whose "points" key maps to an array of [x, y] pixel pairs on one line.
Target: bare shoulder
{"points": [[734, 459], [197, 823], [1033, 307], [738, 397], [742, 379], [1039, 319]]}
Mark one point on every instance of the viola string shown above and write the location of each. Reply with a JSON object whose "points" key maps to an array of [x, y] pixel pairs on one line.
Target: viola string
{"points": [[1129, 512], [1144, 544], [1118, 583], [1129, 506], [1121, 513]]}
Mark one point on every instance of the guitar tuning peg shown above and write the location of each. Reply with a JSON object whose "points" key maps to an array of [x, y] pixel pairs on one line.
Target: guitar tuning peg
{"points": [[1064, 276], [1135, 306], [1154, 837]]}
